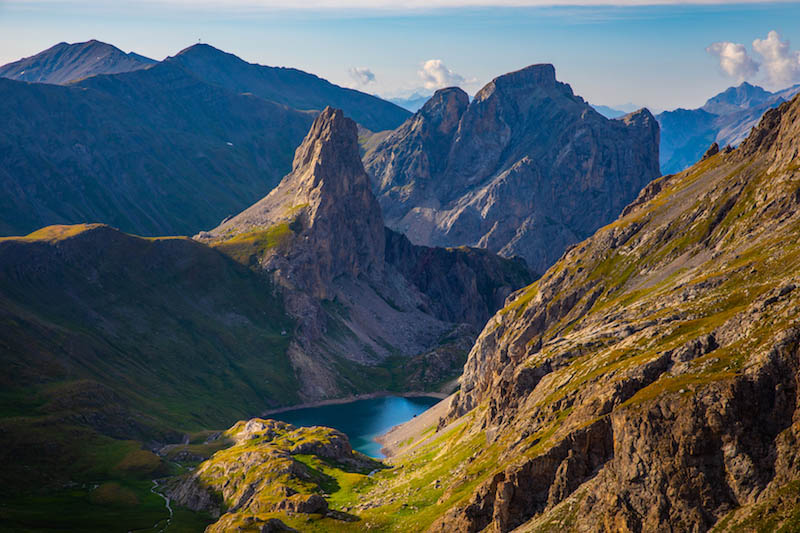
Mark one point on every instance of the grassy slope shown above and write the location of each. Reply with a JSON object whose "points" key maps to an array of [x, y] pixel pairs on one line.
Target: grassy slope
{"points": [[105, 337]]}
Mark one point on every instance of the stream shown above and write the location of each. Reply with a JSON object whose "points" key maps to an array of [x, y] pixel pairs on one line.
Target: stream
{"points": [[158, 527]]}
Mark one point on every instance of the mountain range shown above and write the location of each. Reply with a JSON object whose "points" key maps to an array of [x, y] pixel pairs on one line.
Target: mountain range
{"points": [[173, 148], [725, 119], [526, 168], [413, 102], [647, 382], [320, 235]]}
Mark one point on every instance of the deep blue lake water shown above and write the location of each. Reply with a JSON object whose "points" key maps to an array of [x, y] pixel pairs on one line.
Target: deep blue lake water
{"points": [[361, 420]]}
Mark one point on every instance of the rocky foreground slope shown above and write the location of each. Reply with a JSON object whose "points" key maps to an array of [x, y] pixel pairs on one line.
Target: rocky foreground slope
{"points": [[647, 382], [527, 168], [360, 293]]}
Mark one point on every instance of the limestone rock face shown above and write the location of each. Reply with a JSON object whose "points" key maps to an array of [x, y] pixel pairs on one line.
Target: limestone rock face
{"points": [[421, 146], [529, 169], [327, 207], [460, 284]]}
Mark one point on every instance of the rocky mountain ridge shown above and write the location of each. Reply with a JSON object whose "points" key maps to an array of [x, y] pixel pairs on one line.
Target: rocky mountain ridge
{"points": [[654, 368], [355, 289], [508, 170]]}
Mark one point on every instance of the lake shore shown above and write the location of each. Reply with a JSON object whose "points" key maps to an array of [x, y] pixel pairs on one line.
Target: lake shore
{"points": [[348, 399], [395, 439]]}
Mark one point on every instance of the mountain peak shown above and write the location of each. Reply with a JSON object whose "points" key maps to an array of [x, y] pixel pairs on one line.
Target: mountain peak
{"points": [[203, 49], [321, 221], [288, 86], [541, 76], [444, 108], [64, 63], [538, 74], [333, 137], [449, 96], [742, 96]]}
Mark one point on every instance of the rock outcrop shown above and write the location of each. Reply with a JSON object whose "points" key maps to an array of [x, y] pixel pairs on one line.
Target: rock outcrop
{"points": [[261, 473], [359, 293], [527, 168], [330, 220]]}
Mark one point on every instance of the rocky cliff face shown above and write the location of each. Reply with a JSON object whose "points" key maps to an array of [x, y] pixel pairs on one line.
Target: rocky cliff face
{"points": [[526, 168], [460, 284], [359, 294], [649, 380], [324, 207]]}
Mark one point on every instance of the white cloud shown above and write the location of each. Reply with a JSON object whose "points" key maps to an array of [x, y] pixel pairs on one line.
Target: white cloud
{"points": [[362, 75], [734, 59], [435, 75], [782, 65]]}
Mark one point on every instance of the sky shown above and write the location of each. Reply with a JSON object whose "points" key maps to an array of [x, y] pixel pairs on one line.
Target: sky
{"points": [[664, 55]]}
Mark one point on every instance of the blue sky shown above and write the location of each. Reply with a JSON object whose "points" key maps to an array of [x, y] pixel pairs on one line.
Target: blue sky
{"points": [[654, 55]]}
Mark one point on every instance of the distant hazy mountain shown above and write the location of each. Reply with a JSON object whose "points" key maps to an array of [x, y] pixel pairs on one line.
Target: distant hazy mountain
{"points": [[526, 168], [64, 62], [726, 118], [609, 112], [413, 102], [288, 86], [154, 151]]}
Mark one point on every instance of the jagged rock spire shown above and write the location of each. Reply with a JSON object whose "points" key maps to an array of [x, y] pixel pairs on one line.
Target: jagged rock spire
{"points": [[329, 220]]}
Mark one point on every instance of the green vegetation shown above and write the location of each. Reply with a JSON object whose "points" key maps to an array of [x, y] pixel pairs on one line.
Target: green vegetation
{"points": [[250, 247], [121, 340]]}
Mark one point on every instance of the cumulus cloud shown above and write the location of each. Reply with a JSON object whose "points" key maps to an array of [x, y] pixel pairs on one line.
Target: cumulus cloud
{"points": [[362, 75], [435, 75], [734, 59], [781, 64]]}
